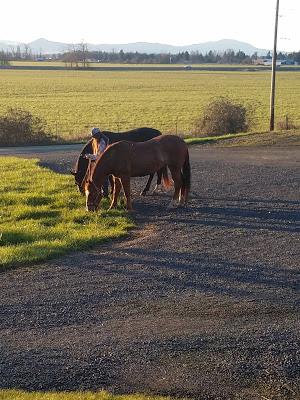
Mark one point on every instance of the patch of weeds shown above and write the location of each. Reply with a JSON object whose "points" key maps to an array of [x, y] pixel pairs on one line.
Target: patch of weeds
{"points": [[15, 237], [9, 394], [48, 223], [38, 201], [7, 200], [39, 214], [83, 219]]}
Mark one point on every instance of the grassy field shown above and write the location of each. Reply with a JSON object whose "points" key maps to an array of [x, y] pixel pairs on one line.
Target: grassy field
{"points": [[277, 138], [74, 101], [42, 216], [22, 395]]}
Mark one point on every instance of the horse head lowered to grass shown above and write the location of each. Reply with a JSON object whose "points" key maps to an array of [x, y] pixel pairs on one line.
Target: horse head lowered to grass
{"points": [[126, 159], [84, 166]]}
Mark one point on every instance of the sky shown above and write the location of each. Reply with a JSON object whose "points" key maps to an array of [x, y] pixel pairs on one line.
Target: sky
{"points": [[177, 22]]}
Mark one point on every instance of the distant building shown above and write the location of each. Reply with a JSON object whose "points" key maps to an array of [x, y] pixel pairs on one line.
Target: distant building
{"points": [[268, 62], [289, 62]]}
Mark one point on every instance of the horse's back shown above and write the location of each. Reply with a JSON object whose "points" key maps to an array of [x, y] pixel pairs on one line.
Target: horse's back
{"points": [[173, 148], [170, 142], [135, 135], [163, 142]]}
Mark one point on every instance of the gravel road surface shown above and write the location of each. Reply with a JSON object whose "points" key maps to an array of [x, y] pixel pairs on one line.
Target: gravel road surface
{"points": [[201, 302]]}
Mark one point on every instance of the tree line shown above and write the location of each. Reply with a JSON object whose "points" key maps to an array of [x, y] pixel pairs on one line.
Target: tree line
{"points": [[80, 56], [227, 57]]}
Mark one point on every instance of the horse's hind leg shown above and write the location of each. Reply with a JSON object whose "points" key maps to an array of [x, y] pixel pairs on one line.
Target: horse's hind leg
{"points": [[158, 182], [147, 187], [182, 196], [126, 186], [117, 187], [177, 178], [182, 193]]}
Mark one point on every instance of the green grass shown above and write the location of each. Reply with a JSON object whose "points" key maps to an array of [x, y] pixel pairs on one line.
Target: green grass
{"points": [[283, 138], [22, 395], [214, 139], [74, 101], [43, 216]]}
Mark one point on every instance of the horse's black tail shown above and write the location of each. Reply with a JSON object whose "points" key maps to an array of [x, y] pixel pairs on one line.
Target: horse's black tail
{"points": [[186, 177]]}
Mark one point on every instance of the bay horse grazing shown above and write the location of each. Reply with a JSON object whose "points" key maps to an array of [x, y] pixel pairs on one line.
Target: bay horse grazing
{"points": [[126, 159], [83, 165]]}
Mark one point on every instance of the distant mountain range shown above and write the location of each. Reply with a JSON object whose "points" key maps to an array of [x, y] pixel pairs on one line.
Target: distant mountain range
{"points": [[44, 46]]}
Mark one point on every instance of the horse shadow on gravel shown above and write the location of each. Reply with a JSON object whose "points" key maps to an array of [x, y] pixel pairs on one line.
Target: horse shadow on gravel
{"points": [[253, 219], [226, 213], [183, 272]]}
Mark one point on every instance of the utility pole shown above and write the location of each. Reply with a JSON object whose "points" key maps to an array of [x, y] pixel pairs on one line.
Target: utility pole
{"points": [[273, 79]]}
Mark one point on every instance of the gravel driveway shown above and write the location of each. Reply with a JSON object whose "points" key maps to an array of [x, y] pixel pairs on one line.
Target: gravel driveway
{"points": [[200, 302]]}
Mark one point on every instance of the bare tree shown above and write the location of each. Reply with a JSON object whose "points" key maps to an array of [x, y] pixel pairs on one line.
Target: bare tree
{"points": [[4, 59], [83, 50], [27, 52], [71, 57]]}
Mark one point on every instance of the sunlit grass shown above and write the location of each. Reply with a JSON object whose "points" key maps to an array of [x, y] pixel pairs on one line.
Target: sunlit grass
{"points": [[42, 215], [102, 395], [74, 101], [213, 139]]}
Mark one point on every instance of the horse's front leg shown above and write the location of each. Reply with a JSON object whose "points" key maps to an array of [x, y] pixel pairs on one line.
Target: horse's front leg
{"points": [[112, 184], [126, 186], [147, 187], [117, 188]]}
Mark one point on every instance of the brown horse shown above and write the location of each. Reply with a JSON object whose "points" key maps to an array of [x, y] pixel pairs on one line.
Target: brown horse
{"points": [[84, 166], [126, 159]]}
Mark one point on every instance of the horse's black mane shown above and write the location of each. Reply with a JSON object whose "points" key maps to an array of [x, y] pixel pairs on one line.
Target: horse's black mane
{"points": [[134, 135]]}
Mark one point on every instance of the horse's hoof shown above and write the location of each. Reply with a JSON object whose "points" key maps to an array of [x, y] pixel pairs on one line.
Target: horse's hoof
{"points": [[154, 191], [171, 206]]}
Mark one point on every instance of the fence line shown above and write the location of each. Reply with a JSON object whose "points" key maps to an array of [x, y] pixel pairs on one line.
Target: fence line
{"points": [[175, 126]]}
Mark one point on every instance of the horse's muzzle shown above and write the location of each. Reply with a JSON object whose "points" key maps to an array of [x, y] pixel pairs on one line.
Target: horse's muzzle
{"points": [[91, 207]]}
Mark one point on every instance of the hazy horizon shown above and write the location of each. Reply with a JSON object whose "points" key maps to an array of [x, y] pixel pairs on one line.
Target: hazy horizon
{"points": [[166, 22]]}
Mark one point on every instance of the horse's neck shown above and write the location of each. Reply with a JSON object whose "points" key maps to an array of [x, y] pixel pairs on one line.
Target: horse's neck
{"points": [[102, 168]]}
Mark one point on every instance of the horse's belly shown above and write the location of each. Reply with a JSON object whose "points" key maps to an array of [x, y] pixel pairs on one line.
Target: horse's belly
{"points": [[146, 167]]}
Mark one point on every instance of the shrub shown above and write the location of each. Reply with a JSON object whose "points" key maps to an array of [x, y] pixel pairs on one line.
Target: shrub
{"points": [[222, 116], [286, 124], [19, 127]]}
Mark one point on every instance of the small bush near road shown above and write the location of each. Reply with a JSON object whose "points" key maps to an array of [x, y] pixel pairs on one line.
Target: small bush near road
{"points": [[222, 116], [286, 124], [20, 127]]}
